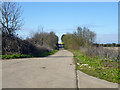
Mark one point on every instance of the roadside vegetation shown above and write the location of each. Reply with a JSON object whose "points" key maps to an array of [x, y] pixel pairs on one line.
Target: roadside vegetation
{"points": [[102, 68], [92, 59], [39, 45], [14, 56]]}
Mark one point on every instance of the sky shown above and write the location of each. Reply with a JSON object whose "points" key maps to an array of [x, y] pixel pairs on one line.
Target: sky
{"points": [[65, 17]]}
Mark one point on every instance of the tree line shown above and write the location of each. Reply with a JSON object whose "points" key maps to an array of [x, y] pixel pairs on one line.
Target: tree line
{"points": [[44, 39], [107, 45]]}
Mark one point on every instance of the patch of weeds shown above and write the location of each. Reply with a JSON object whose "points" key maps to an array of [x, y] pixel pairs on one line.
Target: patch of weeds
{"points": [[13, 56], [16, 56], [106, 69]]}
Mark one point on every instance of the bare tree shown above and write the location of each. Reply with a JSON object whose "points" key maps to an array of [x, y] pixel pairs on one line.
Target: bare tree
{"points": [[11, 17]]}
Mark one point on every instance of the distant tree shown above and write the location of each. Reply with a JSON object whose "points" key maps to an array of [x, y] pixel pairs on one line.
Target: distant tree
{"points": [[83, 37], [11, 17]]}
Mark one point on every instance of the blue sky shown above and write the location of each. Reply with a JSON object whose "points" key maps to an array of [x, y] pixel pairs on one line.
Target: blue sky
{"points": [[65, 17]]}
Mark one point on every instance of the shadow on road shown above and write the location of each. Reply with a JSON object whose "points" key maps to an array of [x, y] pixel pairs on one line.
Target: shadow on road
{"points": [[59, 56]]}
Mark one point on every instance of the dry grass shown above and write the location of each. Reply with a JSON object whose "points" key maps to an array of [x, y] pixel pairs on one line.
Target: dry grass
{"points": [[102, 52], [112, 48]]}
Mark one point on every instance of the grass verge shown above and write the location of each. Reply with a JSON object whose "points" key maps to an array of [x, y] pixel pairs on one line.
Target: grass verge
{"points": [[100, 68], [13, 56]]}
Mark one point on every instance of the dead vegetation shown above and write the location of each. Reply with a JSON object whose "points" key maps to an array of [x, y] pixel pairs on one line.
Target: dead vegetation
{"points": [[102, 52]]}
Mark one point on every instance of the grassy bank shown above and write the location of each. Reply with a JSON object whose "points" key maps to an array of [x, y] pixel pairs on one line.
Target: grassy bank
{"points": [[13, 56], [100, 68]]}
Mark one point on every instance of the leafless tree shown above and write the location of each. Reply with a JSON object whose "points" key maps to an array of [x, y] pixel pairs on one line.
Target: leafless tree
{"points": [[11, 17]]}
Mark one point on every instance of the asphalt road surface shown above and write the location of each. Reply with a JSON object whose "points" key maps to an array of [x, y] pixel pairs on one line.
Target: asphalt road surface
{"points": [[55, 71]]}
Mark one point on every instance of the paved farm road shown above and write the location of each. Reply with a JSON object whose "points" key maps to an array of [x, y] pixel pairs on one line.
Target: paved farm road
{"points": [[55, 71]]}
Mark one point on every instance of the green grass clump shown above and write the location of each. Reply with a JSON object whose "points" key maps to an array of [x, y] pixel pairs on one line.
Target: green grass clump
{"points": [[13, 56], [106, 69], [16, 56]]}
